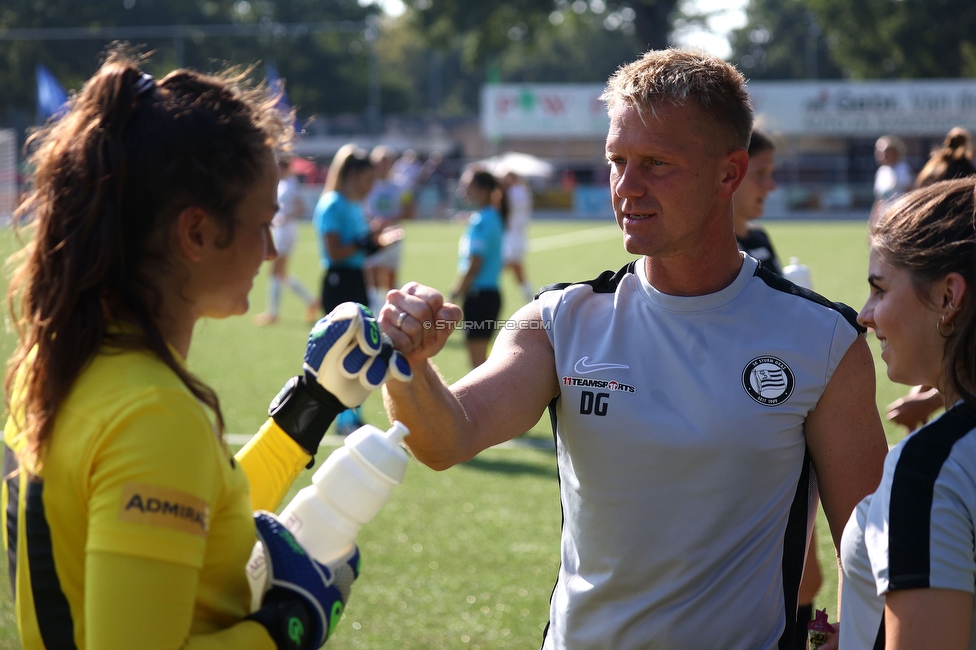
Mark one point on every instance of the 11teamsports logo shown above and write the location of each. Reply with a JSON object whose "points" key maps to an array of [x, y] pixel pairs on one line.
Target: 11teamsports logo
{"points": [[768, 380], [606, 384]]}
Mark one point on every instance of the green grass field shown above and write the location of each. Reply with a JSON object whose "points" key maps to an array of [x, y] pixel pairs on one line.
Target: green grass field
{"points": [[467, 557]]}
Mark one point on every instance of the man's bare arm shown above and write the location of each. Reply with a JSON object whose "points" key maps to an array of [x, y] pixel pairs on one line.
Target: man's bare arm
{"points": [[501, 399], [846, 439]]}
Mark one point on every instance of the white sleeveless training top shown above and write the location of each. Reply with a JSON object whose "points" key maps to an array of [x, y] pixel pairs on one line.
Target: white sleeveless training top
{"points": [[684, 480]]}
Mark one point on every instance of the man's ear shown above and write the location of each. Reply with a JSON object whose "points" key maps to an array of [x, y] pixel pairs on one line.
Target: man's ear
{"points": [[733, 171], [193, 226]]}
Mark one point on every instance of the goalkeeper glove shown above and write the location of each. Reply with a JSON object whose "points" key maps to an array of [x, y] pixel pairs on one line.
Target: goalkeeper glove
{"points": [[306, 598], [346, 358]]}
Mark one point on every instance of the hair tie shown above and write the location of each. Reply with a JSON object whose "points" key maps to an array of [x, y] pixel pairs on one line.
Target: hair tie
{"points": [[146, 82]]}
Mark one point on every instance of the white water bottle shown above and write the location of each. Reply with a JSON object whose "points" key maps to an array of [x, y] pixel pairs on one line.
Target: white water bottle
{"points": [[347, 491], [798, 274]]}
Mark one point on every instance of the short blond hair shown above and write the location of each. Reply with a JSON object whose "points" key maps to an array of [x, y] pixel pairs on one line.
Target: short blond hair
{"points": [[685, 77]]}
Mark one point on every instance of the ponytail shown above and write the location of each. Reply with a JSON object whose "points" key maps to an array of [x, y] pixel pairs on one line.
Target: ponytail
{"points": [[109, 179], [953, 160]]}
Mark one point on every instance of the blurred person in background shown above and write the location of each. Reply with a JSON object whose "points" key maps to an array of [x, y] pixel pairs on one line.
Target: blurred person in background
{"points": [[344, 241], [953, 160], [387, 204], [480, 261], [749, 202], [907, 552], [406, 169], [433, 173], [284, 229], [515, 243], [894, 176]]}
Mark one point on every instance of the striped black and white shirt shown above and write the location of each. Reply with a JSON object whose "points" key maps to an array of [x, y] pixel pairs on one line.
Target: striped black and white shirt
{"points": [[916, 531]]}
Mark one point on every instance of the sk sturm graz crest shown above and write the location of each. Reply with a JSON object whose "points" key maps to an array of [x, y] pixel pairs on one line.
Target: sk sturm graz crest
{"points": [[768, 380]]}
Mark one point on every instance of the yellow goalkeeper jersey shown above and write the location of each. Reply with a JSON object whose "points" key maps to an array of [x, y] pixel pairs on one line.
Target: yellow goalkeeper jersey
{"points": [[136, 530]]}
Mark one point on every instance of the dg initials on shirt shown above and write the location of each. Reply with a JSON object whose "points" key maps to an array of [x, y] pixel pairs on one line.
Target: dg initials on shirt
{"points": [[596, 404]]}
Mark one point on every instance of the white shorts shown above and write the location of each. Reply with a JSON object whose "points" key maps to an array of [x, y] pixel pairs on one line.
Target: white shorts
{"points": [[514, 246], [387, 257], [285, 237]]}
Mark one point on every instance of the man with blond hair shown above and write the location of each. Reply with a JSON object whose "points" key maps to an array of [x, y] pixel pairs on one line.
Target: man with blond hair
{"points": [[692, 394]]}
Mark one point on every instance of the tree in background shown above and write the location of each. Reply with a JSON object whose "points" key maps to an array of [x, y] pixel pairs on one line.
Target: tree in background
{"points": [[326, 72], [906, 39], [489, 27], [863, 39], [579, 49], [782, 39], [432, 60], [441, 75]]}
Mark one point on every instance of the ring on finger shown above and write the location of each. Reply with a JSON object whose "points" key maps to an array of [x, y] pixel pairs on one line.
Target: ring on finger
{"points": [[399, 321]]}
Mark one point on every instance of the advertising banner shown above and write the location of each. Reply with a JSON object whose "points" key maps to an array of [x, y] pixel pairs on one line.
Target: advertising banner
{"points": [[813, 108], [543, 111], [866, 108]]}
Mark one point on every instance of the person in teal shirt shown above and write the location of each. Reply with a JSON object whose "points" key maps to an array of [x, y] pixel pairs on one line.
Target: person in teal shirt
{"points": [[341, 230], [344, 241], [480, 262]]}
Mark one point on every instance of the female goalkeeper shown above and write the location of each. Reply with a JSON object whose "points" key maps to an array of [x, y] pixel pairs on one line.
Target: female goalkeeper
{"points": [[127, 520]]}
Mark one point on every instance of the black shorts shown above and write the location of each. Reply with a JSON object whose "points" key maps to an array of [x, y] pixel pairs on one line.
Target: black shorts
{"points": [[481, 308], [341, 285]]}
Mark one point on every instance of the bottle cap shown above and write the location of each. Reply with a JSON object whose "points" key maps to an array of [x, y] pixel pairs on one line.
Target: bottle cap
{"points": [[381, 449], [397, 432]]}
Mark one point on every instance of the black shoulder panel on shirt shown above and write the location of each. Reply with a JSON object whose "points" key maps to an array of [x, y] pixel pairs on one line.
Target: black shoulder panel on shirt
{"points": [[606, 282], [782, 284], [912, 490], [794, 550]]}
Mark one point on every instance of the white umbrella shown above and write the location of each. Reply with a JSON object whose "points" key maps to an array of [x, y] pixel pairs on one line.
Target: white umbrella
{"points": [[523, 164]]}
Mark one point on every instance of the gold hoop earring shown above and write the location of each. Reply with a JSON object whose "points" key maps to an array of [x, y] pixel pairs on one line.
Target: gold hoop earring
{"points": [[940, 323]]}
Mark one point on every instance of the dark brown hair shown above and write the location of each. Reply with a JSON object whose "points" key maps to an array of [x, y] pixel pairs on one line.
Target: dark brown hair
{"points": [[109, 179], [930, 233], [759, 142], [496, 191]]}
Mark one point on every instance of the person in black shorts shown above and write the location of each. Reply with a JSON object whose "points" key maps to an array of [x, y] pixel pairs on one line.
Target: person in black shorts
{"points": [[480, 263]]}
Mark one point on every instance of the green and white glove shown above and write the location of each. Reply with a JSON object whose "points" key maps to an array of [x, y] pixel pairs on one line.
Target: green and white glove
{"points": [[350, 356], [306, 598], [347, 357]]}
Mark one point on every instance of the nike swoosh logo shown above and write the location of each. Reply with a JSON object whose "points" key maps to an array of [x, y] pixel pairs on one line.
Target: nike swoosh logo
{"points": [[584, 368]]}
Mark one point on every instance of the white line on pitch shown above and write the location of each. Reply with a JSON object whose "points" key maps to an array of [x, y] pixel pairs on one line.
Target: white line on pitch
{"points": [[575, 238]]}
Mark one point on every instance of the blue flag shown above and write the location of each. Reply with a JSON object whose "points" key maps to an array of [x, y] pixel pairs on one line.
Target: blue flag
{"points": [[51, 97], [277, 87]]}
